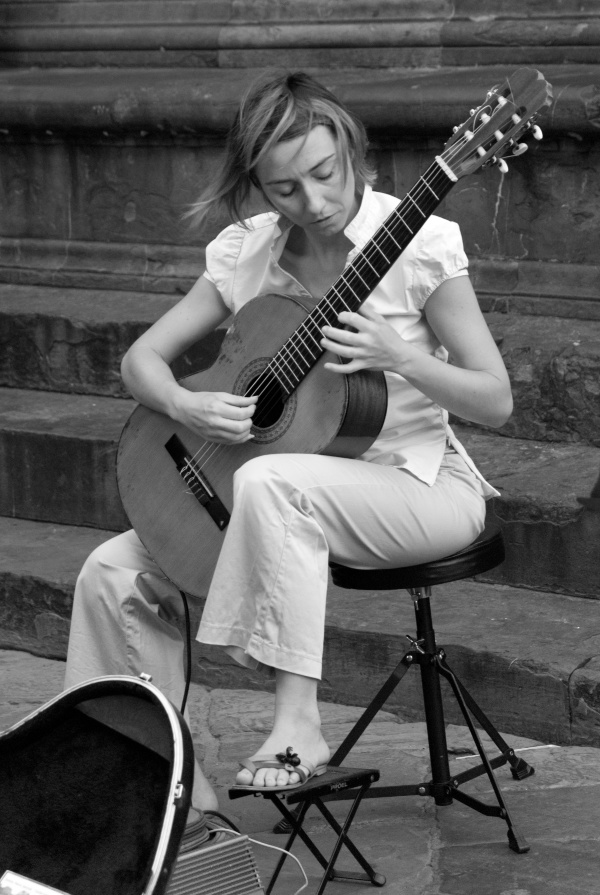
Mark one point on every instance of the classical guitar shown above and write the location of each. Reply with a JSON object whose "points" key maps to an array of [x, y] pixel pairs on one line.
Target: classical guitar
{"points": [[177, 488]]}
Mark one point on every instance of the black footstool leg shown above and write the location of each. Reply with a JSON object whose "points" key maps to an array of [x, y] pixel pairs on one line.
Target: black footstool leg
{"points": [[294, 822], [370, 875], [354, 783]]}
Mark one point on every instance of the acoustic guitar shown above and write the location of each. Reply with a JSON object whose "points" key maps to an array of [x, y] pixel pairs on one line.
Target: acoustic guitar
{"points": [[175, 487]]}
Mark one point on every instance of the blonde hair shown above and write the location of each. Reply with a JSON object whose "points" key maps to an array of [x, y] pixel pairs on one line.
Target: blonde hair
{"points": [[278, 107]]}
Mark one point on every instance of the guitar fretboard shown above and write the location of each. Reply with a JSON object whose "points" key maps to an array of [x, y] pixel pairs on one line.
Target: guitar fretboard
{"points": [[302, 350]]}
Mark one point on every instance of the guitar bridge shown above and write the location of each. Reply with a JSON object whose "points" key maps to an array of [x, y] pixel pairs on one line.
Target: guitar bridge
{"points": [[197, 482]]}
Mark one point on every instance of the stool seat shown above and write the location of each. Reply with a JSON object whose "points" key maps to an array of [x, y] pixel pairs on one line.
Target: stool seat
{"points": [[482, 554]]}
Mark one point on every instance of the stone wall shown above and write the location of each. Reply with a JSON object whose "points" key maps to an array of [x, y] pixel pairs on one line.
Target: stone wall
{"points": [[427, 34], [96, 174]]}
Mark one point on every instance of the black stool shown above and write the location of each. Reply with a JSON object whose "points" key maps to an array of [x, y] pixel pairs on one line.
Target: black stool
{"points": [[483, 554], [355, 783]]}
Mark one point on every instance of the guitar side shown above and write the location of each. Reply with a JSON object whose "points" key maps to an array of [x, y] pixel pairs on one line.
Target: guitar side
{"points": [[327, 413]]}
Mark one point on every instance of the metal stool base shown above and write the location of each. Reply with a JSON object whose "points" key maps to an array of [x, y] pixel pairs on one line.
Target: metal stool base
{"points": [[443, 786]]}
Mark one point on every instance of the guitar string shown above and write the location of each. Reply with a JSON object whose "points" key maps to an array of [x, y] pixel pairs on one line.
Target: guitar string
{"points": [[352, 269], [369, 252], [361, 265], [211, 449]]}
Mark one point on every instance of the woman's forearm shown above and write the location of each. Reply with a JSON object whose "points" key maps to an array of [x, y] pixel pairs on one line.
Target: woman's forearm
{"points": [[480, 396]]}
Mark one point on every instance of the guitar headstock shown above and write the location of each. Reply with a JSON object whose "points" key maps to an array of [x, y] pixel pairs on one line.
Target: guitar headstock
{"points": [[494, 129]]}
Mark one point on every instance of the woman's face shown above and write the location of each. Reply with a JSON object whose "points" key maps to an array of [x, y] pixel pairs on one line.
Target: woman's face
{"points": [[303, 179]]}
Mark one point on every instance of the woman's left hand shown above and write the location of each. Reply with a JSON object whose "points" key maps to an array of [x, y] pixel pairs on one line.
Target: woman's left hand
{"points": [[370, 344]]}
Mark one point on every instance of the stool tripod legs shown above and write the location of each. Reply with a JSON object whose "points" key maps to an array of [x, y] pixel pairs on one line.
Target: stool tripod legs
{"points": [[295, 820], [443, 787]]}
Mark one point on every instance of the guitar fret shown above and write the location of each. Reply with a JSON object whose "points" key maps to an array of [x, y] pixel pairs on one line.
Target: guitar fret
{"points": [[355, 270], [329, 303], [381, 252], [391, 235], [283, 384], [348, 287], [294, 360], [305, 343], [431, 190], [317, 310], [374, 269], [410, 198], [410, 230]]}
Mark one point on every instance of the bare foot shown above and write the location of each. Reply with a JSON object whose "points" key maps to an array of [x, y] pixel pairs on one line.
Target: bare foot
{"points": [[307, 743]]}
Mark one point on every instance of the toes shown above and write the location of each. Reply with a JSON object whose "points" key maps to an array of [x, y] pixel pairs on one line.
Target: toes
{"points": [[244, 777], [262, 777], [267, 777], [283, 778], [274, 777]]}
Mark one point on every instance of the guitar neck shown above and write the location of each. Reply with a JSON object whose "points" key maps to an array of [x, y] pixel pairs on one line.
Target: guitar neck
{"points": [[301, 351]]}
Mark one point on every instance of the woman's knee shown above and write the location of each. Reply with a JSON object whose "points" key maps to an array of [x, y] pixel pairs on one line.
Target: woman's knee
{"points": [[292, 471], [261, 474], [103, 576]]}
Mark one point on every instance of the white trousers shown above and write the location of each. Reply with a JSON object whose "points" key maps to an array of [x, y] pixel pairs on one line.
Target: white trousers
{"points": [[267, 600]]}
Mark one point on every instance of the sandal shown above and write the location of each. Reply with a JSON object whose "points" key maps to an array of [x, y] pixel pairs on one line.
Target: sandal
{"points": [[287, 761]]}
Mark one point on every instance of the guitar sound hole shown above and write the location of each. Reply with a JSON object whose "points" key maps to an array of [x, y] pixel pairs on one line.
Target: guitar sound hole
{"points": [[269, 406]]}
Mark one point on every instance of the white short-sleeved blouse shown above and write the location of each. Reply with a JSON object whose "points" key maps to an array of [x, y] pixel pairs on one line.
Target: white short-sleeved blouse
{"points": [[243, 262]]}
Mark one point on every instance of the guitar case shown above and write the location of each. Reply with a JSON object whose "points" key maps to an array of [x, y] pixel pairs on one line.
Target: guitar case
{"points": [[95, 788]]}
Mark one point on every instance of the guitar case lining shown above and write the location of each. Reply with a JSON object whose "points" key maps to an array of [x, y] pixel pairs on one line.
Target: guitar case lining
{"points": [[89, 790]]}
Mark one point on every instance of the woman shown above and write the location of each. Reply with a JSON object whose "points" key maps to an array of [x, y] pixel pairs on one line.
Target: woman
{"points": [[413, 496]]}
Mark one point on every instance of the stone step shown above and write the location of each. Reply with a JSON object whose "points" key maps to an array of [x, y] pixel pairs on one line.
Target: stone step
{"points": [[552, 543], [57, 457], [529, 658], [57, 464], [554, 368], [72, 340]]}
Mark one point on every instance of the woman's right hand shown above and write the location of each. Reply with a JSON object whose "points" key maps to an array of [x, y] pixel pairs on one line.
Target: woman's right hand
{"points": [[216, 416]]}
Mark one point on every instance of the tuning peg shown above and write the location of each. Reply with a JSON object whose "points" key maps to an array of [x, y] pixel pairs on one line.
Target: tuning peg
{"points": [[519, 148], [537, 132], [502, 165]]}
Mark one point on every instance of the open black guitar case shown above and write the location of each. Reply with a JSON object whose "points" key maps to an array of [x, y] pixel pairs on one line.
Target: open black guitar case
{"points": [[95, 788]]}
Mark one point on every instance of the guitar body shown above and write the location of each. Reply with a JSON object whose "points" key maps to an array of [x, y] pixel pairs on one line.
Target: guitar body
{"points": [[327, 413]]}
